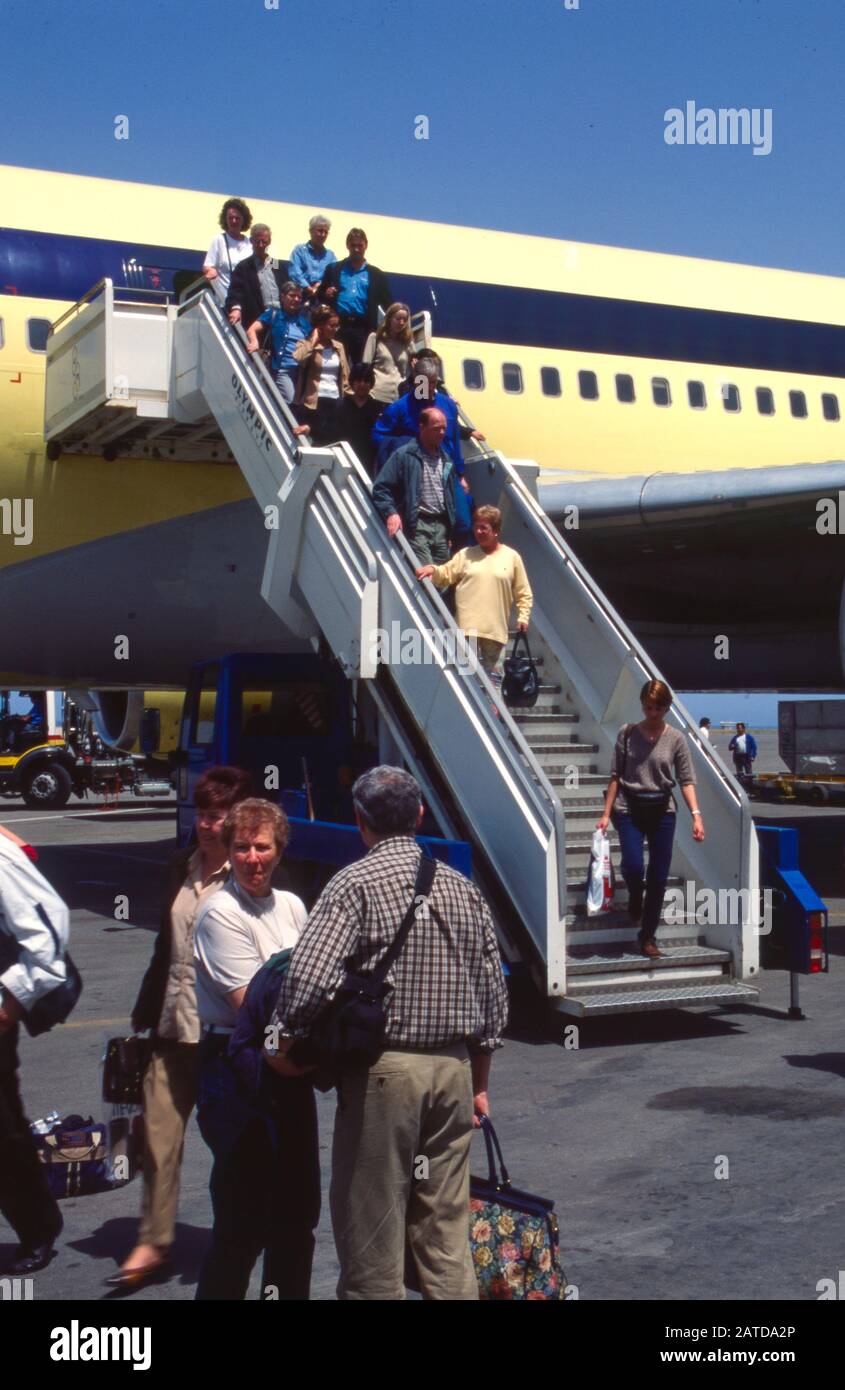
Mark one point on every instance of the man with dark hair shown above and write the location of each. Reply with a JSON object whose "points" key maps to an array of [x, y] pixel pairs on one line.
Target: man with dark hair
{"points": [[415, 491], [446, 1015], [358, 413], [743, 746], [357, 290], [256, 283]]}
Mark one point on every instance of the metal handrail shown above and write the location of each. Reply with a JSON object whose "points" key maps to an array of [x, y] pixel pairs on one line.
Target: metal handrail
{"points": [[608, 612], [104, 284], [107, 284]]}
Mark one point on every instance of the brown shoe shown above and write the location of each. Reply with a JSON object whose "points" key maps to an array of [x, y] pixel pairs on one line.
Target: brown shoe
{"points": [[649, 948]]}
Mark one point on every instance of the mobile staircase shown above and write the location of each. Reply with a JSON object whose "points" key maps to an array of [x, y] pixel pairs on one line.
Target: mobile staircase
{"points": [[525, 788]]}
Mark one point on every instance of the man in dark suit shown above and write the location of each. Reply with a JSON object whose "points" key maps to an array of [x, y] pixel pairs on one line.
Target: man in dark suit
{"points": [[256, 282], [357, 290]]}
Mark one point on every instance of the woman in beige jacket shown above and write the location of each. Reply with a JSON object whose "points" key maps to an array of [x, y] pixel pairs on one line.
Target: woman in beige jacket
{"points": [[323, 378]]}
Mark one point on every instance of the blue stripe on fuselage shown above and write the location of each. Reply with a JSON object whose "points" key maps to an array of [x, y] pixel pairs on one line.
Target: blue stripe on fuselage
{"points": [[45, 265]]}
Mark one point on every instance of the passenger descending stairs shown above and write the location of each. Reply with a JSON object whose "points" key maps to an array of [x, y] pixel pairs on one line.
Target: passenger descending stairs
{"points": [[605, 971]]}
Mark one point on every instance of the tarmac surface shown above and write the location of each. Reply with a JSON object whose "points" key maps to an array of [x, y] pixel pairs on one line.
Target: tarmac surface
{"points": [[627, 1132]]}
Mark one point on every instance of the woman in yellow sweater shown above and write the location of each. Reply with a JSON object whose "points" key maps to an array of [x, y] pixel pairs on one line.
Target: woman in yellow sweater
{"points": [[489, 579]]}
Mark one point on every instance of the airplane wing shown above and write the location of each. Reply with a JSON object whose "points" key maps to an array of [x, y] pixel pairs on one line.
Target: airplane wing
{"points": [[733, 580]]}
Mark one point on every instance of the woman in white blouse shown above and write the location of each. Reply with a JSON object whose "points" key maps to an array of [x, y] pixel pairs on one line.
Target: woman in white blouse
{"points": [[231, 245], [238, 929], [389, 351]]}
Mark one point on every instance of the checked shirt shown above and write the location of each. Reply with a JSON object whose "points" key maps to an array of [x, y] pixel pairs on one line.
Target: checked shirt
{"points": [[448, 985]]}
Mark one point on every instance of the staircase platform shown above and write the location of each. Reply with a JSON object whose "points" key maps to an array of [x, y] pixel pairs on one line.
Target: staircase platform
{"points": [[655, 996]]}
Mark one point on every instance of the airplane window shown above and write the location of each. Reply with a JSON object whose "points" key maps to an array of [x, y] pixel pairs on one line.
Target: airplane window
{"points": [[2, 335], [512, 377], [830, 403], [588, 385], [730, 396], [473, 374], [696, 395], [765, 401], [798, 404], [625, 388], [550, 381], [36, 334], [660, 392]]}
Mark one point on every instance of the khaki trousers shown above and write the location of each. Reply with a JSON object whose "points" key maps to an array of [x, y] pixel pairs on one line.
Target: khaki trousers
{"points": [[400, 1170], [170, 1094]]}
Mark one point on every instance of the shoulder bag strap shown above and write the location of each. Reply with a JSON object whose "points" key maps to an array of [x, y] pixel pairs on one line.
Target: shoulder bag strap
{"points": [[625, 752], [422, 888]]}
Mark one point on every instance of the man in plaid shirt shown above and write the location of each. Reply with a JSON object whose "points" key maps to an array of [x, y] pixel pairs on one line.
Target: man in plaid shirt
{"points": [[400, 1161]]}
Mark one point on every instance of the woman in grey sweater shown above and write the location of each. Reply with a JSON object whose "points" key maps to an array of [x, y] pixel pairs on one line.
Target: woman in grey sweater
{"points": [[650, 758]]}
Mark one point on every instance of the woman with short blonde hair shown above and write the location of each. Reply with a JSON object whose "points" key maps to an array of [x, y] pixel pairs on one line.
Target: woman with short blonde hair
{"points": [[265, 1179]]}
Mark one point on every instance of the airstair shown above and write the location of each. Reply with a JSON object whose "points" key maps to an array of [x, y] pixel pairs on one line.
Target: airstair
{"points": [[525, 788]]}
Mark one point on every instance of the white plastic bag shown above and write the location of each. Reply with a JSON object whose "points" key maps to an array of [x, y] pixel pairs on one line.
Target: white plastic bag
{"points": [[600, 876]]}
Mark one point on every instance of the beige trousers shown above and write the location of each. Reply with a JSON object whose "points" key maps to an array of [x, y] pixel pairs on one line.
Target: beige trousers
{"points": [[170, 1094], [400, 1170]]}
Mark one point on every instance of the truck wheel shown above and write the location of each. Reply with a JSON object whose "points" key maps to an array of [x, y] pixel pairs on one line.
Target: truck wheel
{"points": [[818, 795], [47, 786]]}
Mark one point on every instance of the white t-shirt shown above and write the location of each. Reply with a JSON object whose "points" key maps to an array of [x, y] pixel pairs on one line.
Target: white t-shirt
{"points": [[740, 744], [235, 935], [704, 731], [217, 257], [329, 377]]}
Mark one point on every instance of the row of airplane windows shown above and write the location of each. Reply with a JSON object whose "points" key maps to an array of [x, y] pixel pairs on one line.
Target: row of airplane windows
{"points": [[588, 383], [661, 391]]}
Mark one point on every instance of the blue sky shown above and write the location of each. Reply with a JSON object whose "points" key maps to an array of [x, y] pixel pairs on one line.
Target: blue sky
{"points": [[542, 118]]}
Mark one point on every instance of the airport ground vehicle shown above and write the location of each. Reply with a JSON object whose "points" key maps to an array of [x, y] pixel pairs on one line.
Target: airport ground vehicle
{"points": [[811, 741], [62, 756], [291, 721]]}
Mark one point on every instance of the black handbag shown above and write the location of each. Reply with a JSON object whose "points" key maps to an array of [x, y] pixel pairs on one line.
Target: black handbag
{"points": [[348, 1034], [643, 806], [124, 1065], [521, 684]]}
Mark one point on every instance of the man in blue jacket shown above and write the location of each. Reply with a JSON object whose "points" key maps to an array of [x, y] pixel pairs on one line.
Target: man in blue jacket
{"points": [[743, 746], [401, 419], [415, 490]]}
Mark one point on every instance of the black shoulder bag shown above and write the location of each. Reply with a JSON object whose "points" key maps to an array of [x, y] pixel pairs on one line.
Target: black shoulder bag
{"points": [[642, 805], [521, 684], [349, 1032]]}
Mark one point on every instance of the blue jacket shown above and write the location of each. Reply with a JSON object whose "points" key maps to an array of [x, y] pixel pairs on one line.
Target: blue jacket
{"points": [[397, 487], [401, 419], [750, 745], [246, 1046]]}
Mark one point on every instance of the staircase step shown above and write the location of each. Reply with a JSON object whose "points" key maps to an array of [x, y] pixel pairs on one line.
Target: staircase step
{"points": [[655, 996], [575, 881], [545, 720], [588, 961]]}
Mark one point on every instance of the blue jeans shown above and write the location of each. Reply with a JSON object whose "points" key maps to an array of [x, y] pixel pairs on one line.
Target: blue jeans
{"points": [[659, 832]]}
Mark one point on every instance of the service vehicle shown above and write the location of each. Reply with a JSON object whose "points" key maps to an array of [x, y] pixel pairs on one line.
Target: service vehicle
{"points": [[53, 752]]}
